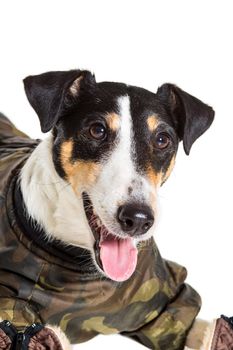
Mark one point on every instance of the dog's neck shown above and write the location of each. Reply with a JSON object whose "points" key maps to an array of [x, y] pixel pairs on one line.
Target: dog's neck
{"points": [[50, 200]]}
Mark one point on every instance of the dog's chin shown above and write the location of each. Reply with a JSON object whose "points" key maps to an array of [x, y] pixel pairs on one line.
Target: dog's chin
{"points": [[116, 256]]}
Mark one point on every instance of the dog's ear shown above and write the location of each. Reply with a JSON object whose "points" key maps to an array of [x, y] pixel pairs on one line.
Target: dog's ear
{"points": [[191, 116], [50, 93]]}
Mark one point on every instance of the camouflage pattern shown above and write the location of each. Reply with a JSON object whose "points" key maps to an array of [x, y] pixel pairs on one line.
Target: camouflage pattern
{"points": [[154, 307]]}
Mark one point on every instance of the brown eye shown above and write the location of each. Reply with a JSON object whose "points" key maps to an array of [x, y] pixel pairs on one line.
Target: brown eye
{"points": [[162, 140], [97, 131]]}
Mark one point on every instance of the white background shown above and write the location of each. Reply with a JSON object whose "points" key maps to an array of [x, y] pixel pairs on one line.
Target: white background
{"points": [[145, 43]]}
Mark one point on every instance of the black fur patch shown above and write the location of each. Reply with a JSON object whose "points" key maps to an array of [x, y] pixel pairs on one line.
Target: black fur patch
{"points": [[181, 116]]}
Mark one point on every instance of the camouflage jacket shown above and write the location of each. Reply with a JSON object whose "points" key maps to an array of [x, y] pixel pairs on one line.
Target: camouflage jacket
{"points": [[154, 307]]}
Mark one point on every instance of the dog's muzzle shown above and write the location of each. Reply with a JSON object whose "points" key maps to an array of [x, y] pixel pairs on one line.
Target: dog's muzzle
{"points": [[116, 256]]}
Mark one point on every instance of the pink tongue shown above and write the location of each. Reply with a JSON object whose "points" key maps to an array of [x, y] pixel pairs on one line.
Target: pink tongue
{"points": [[118, 256]]}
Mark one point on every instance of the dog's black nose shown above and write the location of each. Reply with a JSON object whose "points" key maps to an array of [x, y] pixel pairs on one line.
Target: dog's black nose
{"points": [[135, 219]]}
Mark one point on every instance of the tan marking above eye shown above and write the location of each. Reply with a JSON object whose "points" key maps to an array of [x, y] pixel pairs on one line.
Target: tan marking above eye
{"points": [[152, 122], [113, 121], [79, 173]]}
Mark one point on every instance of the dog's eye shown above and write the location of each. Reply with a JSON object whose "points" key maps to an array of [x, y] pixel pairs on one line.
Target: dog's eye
{"points": [[162, 140], [97, 131]]}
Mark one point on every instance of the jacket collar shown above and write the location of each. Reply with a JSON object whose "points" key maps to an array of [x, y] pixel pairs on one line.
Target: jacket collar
{"points": [[76, 258]]}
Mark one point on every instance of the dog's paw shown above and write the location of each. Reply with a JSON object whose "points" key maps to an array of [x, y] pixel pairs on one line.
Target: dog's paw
{"points": [[51, 337], [220, 335], [61, 336], [216, 335], [36, 336], [5, 341]]}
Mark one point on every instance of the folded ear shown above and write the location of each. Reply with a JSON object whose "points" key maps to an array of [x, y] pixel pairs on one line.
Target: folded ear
{"points": [[191, 116], [49, 93]]}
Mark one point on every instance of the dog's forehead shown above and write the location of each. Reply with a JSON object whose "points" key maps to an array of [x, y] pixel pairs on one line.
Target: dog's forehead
{"points": [[144, 106], [141, 101]]}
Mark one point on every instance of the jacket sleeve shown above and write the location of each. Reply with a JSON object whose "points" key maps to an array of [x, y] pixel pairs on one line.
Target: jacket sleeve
{"points": [[8, 130], [168, 331]]}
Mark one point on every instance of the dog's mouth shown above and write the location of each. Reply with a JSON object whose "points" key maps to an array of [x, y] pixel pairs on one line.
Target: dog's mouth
{"points": [[116, 256]]}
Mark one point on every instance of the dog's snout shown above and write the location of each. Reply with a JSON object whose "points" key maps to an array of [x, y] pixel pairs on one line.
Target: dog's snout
{"points": [[135, 219]]}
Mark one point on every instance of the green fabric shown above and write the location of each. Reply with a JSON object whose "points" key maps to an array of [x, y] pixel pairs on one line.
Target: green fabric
{"points": [[154, 307]]}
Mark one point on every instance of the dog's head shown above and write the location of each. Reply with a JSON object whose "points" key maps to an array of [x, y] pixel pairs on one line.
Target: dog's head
{"points": [[115, 145]]}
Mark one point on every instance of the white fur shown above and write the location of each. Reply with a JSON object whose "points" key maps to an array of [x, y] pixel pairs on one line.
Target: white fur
{"points": [[119, 173], [197, 334], [55, 206], [51, 201], [208, 336]]}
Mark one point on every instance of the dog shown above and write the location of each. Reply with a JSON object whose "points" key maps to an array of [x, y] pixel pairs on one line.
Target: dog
{"points": [[78, 211]]}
